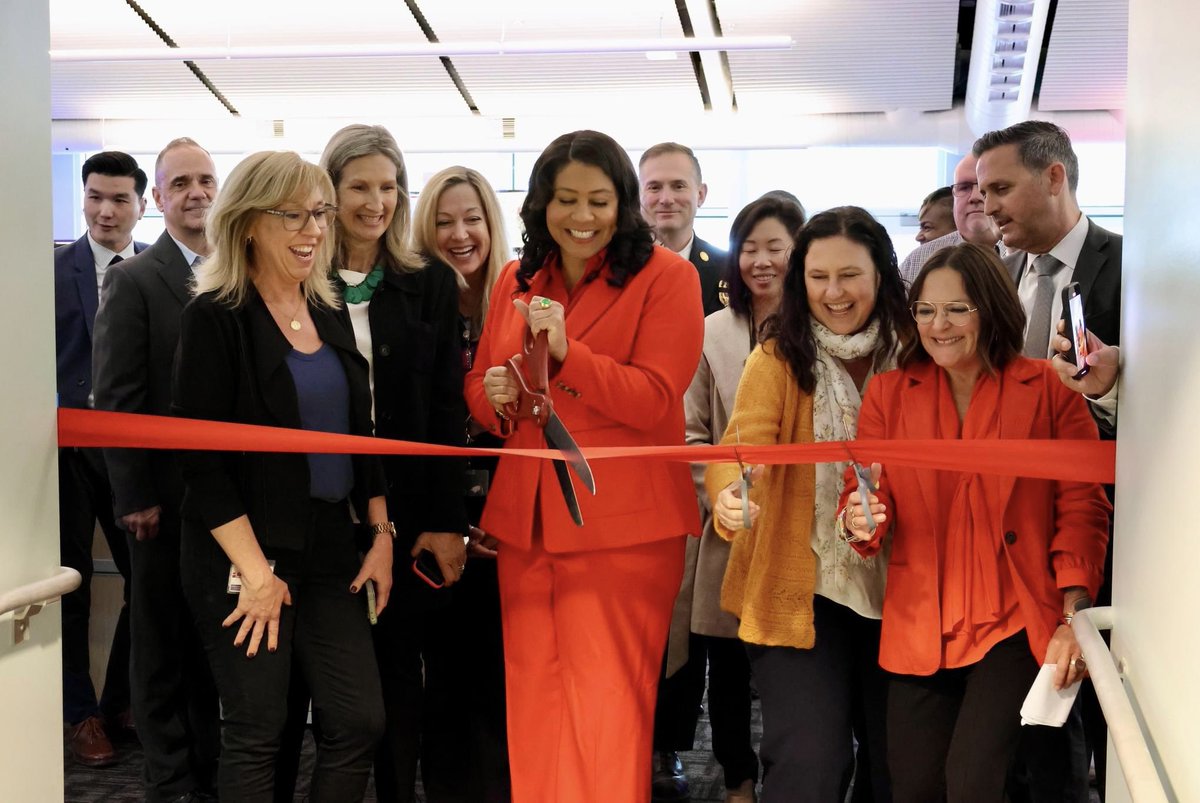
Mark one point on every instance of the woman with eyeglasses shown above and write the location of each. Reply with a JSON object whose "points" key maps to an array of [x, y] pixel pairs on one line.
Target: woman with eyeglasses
{"points": [[808, 606], [269, 561], [464, 755], [986, 570], [404, 315]]}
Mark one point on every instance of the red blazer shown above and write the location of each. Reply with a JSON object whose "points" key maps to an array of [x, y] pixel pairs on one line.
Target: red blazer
{"points": [[1051, 535], [631, 355]]}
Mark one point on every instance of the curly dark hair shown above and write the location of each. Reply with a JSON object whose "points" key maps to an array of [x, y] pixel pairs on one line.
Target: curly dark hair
{"points": [[791, 327], [633, 242], [990, 288]]}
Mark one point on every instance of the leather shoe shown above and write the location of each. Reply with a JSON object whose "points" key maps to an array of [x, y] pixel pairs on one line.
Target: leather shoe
{"points": [[89, 744], [668, 784]]}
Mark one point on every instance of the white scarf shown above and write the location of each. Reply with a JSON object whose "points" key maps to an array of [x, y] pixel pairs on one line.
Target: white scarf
{"points": [[836, 402]]}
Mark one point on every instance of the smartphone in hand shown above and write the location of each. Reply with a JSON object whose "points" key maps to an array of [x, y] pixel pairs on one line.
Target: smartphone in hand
{"points": [[426, 567], [1075, 329]]}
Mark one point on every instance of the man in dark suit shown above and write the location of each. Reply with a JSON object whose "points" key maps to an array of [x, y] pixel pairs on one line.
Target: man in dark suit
{"points": [[137, 330], [671, 192], [113, 202], [1028, 174]]}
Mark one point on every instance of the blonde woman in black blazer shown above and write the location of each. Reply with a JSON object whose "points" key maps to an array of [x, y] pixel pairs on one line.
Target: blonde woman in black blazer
{"points": [[261, 344]]}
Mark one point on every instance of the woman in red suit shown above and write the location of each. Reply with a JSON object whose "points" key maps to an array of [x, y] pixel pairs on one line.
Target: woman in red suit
{"points": [[984, 569], [586, 609]]}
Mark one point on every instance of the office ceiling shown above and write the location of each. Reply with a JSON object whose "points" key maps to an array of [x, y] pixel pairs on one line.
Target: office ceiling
{"points": [[847, 57]]}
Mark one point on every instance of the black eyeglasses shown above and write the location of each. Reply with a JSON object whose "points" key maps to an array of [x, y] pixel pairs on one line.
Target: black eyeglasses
{"points": [[962, 189], [958, 313], [297, 219]]}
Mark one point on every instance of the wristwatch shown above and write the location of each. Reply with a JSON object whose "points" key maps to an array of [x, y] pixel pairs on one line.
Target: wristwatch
{"points": [[384, 527]]}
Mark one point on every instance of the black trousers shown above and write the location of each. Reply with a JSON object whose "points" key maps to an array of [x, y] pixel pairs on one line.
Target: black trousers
{"points": [[953, 735], [815, 702], [464, 742], [325, 633], [85, 498], [680, 695], [174, 699]]}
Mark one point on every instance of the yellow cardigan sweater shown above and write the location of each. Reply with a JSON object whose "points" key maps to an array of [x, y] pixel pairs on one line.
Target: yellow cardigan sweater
{"points": [[772, 570]]}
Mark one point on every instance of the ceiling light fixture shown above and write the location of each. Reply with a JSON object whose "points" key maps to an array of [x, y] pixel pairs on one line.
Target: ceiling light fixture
{"points": [[417, 49]]}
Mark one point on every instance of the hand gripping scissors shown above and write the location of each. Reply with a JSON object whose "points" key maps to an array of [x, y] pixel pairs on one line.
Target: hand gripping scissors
{"points": [[534, 404]]}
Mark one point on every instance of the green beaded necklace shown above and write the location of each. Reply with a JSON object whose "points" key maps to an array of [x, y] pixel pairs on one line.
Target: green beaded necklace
{"points": [[362, 292]]}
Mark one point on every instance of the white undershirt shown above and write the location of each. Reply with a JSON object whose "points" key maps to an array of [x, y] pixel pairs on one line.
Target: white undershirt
{"points": [[101, 256], [1067, 252]]}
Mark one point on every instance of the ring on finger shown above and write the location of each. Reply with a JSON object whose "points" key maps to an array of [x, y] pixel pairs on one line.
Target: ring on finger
{"points": [[545, 302]]}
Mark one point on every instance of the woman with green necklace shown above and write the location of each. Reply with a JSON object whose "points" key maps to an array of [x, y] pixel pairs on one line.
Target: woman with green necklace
{"points": [[405, 319]]}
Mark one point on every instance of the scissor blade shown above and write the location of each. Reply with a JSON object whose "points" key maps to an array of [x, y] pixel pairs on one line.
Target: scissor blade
{"points": [[557, 437], [568, 491]]}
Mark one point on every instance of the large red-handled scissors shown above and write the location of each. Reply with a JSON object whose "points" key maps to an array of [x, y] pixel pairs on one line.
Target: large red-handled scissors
{"points": [[533, 403]]}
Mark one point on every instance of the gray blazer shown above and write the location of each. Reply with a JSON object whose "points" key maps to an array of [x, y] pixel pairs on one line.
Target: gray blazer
{"points": [[133, 351], [707, 405]]}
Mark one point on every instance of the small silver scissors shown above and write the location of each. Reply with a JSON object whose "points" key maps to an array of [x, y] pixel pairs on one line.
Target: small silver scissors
{"points": [[746, 483]]}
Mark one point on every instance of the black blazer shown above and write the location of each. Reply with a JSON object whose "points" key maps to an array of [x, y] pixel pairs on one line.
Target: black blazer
{"points": [[418, 396], [136, 331], [231, 367], [710, 264], [75, 302], [1098, 272]]}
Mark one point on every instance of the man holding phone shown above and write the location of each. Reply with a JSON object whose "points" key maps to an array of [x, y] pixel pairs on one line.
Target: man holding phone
{"points": [[1028, 175]]}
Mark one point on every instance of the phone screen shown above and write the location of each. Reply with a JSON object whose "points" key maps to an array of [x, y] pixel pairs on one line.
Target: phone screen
{"points": [[1077, 332]]}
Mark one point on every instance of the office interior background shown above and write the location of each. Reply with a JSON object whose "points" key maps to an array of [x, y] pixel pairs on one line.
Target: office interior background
{"points": [[869, 102]]}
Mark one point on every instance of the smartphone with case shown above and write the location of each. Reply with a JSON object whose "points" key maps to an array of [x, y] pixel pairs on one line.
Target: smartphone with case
{"points": [[1075, 329], [426, 567]]}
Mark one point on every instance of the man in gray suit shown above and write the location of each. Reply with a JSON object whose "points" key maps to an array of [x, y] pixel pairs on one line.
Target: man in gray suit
{"points": [[136, 332], [1028, 174]]}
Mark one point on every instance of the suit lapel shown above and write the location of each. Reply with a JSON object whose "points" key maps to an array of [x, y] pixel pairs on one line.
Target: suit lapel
{"points": [[1092, 258], [1020, 404], [1015, 262], [173, 269], [919, 414], [270, 351], [85, 281]]}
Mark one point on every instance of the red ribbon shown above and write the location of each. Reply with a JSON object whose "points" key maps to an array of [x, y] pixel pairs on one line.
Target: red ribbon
{"points": [[1073, 460]]}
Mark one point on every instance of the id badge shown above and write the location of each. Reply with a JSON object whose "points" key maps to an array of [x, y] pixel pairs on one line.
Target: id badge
{"points": [[234, 586]]}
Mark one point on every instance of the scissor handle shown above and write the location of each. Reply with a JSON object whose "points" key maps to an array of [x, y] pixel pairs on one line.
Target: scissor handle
{"points": [[533, 401]]}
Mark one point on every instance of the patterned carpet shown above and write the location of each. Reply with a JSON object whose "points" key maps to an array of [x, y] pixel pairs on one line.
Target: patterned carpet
{"points": [[121, 783]]}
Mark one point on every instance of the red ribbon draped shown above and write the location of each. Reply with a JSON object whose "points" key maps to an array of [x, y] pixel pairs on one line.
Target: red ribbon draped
{"points": [[1074, 460]]}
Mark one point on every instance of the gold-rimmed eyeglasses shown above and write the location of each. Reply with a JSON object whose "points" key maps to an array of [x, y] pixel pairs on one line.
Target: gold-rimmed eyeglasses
{"points": [[297, 219], [958, 313]]}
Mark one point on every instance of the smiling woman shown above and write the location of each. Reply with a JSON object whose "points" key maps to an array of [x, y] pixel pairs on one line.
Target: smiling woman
{"points": [[586, 608], [262, 344], [808, 608]]}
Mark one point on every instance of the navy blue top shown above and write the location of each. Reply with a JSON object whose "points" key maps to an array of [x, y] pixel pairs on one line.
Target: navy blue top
{"points": [[324, 397]]}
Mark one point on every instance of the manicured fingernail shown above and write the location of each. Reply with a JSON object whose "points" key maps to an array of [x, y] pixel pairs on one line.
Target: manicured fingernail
{"points": [[353, 589]]}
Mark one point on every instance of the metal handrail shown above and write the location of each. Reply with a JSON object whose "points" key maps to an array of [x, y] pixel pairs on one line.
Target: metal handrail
{"points": [[1141, 776], [27, 600]]}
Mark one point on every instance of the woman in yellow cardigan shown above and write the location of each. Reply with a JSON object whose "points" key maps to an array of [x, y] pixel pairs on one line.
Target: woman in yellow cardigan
{"points": [[809, 607]]}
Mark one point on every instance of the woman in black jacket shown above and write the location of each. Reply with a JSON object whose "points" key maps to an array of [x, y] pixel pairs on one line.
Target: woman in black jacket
{"points": [[262, 344], [404, 316]]}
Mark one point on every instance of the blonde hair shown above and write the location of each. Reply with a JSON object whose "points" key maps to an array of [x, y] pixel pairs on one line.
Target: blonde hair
{"points": [[425, 227], [261, 181], [358, 140]]}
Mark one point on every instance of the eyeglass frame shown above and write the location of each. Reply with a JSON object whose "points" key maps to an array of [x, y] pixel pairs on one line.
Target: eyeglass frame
{"points": [[941, 305], [309, 214], [963, 189]]}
